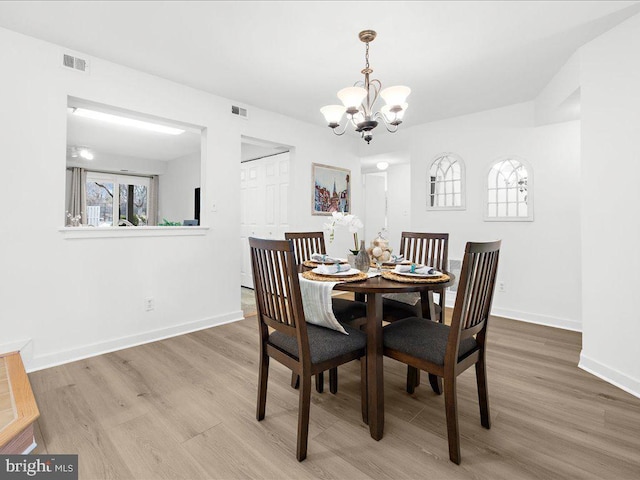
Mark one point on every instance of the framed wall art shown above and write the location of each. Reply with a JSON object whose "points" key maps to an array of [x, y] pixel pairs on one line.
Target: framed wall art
{"points": [[331, 189]]}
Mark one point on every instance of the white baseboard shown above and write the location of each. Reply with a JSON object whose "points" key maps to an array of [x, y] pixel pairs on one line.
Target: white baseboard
{"points": [[610, 375], [86, 351], [545, 320], [528, 317]]}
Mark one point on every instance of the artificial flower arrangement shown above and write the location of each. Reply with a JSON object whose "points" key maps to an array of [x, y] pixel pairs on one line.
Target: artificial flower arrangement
{"points": [[348, 220]]}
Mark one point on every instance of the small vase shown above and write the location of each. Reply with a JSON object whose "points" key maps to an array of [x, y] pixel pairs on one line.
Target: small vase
{"points": [[351, 258], [362, 259]]}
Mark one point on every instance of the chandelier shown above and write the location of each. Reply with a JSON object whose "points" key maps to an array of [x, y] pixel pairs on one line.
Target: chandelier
{"points": [[358, 102]]}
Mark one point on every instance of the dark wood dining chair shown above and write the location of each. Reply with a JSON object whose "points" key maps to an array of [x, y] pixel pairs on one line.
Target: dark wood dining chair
{"points": [[448, 351], [430, 249], [346, 311], [306, 244], [306, 349]]}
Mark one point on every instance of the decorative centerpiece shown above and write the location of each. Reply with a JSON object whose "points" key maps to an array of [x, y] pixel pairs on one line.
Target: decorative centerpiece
{"points": [[379, 251], [354, 224]]}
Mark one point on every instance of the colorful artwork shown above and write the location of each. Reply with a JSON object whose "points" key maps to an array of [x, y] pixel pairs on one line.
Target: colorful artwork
{"points": [[331, 190]]}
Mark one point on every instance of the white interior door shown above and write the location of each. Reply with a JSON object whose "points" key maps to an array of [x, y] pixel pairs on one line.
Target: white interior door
{"points": [[264, 192], [375, 205]]}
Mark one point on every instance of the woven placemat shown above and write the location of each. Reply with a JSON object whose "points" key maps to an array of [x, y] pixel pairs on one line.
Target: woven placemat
{"points": [[383, 266], [358, 277], [312, 264], [405, 279]]}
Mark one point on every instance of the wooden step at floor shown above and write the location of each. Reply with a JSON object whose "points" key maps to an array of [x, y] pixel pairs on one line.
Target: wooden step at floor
{"points": [[18, 409]]}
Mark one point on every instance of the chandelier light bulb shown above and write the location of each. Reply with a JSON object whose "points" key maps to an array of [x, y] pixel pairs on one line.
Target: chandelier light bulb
{"points": [[352, 97], [333, 113], [396, 95]]}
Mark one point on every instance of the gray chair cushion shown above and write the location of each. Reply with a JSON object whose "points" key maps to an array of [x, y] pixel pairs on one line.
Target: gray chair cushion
{"points": [[423, 339], [346, 311], [324, 343], [393, 310]]}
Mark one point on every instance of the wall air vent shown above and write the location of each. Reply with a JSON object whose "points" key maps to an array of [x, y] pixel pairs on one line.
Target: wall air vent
{"points": [[75, 63], [239, 111]]}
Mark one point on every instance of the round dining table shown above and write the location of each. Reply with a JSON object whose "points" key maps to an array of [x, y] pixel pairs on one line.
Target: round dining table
{"points": [[373, 288]]}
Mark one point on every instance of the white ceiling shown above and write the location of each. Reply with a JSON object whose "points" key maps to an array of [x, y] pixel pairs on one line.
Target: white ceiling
{"points": [[291, 57]]}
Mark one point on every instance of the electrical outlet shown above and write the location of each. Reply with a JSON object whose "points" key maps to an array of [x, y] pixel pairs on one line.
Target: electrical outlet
{"points": [[501, 287], [149, 304]]}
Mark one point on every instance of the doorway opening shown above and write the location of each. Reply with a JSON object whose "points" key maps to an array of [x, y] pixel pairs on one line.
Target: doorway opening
{"points": [[375, 204], [264, 195]]}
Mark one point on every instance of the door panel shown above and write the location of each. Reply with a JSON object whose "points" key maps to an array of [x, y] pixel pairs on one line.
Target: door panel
{"points": [[264, 193]]}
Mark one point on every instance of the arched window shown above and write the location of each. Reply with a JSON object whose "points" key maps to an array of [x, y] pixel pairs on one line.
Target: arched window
{"points": [[446, 183], [509, 191]]}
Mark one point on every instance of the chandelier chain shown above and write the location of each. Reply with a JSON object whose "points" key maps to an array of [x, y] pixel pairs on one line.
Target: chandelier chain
{"points": [[366, 56]]}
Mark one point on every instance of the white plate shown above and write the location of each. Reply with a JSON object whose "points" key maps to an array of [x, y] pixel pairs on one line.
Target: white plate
{"points": [[346, 273], [420, 275]]}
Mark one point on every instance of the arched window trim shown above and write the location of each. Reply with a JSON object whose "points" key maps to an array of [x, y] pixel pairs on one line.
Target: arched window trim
{"points": [[530, 191], [463, 182]]}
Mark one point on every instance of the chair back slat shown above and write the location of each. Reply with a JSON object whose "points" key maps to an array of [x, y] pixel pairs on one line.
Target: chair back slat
{"points": [[305, 244], [281, 289], [430, 249], [475, 292], [277, 288]]}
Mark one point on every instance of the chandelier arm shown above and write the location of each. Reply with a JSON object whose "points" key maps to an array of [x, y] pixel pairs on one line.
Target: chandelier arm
{"points": [[344, 129], [391, 128], [353, 120], [375, 83]]}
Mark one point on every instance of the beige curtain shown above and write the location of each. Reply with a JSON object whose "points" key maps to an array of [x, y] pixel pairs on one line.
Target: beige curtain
{"points": [[78, 200], [152, 204]]}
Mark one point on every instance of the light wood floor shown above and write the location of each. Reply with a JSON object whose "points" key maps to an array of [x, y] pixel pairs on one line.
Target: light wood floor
{"points": [[185, 408]]}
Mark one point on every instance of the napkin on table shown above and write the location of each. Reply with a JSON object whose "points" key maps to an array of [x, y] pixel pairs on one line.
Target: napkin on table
{"points": [[413, 268], [331, 269], [324, 258]]}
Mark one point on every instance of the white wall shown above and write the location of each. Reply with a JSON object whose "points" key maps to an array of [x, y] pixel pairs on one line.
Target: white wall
{"points": [[554, 103], [398, 202], [374, 205], [310, 144], [69, 297], [114, 163], [531, 251], [176, 188], [610, 79]]}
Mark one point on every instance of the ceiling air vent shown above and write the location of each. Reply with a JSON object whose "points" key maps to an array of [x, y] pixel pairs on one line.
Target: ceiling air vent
{"points": [[241, 112], [76, 63]]}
